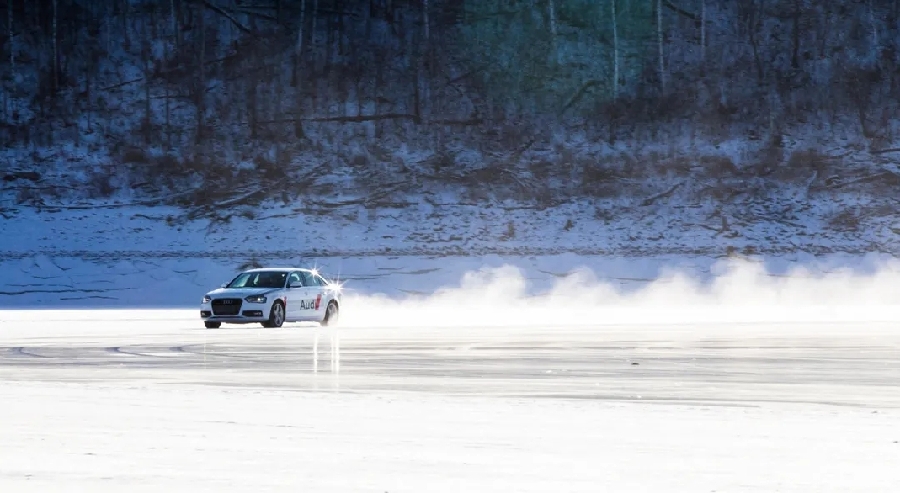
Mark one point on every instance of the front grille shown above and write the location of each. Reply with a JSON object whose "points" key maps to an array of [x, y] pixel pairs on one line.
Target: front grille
{"points": [[227, 306]]}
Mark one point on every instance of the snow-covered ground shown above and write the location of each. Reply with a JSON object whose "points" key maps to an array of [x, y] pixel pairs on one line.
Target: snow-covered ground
{"points": [[146, 401], [153, 257], [44, 281], [615, 354], [776, 225], [115, 437]]}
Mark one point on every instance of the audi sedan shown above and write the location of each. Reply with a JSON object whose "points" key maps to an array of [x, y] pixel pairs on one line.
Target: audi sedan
{"points": [[271, 297]]}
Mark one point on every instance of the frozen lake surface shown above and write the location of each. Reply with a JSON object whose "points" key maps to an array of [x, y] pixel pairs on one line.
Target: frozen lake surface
{"points": [[151, 401]]}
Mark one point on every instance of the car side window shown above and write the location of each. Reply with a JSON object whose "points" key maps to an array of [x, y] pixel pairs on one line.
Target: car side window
{"points": [[320, 281], [307, 279], [295, 278]]}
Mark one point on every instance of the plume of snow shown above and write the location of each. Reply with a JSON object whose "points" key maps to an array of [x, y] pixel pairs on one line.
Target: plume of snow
{"points": [[742, 292]]}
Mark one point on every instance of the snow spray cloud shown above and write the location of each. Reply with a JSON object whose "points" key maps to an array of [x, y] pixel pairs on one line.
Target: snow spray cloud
{"points": [[742, 292]]}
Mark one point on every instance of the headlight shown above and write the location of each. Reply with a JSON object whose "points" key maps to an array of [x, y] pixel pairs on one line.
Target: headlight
{"points": [[206, 299], [255, 299]]}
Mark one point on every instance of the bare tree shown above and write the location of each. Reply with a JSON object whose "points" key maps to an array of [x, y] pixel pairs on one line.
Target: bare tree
{"points": [[874, 28], [55, 42], [148, 108], [314, 53], [298, 78], [795, 34], [12, 60], [170, 47], [751, 12], [424, 60], [12, 45], [174, 19], [553, 30], [425, 22], [703, 31], [660, 43], [201, 73], [298, 49], [615, 29]]}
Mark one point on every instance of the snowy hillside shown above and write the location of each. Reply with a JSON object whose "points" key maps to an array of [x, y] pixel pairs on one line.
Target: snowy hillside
{"points": [[153, 256], [231, 132], [193, 102]]}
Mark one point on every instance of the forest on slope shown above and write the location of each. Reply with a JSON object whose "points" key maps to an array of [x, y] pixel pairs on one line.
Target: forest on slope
{"points": [[202, 100]]}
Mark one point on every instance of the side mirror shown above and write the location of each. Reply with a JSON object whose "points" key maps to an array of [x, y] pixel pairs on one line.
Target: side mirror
{"points": [[295, 285]]}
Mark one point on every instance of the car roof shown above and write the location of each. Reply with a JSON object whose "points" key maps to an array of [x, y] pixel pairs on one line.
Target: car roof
{"points": [[279, 269]]}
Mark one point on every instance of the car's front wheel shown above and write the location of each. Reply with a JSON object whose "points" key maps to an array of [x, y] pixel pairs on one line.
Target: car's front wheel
{"points": [[212, 325], [276, 316], [331, 315]]}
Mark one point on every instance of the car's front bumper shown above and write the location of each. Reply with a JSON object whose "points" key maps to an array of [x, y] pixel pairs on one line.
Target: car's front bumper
{"points": [[245, 316], [244, 313]]}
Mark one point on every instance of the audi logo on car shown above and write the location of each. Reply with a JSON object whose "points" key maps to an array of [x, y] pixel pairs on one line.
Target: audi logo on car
{"points": [[227, 302]]}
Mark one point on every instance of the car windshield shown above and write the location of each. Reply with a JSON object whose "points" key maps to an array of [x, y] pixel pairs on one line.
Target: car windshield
{"points": [[260, 279]]}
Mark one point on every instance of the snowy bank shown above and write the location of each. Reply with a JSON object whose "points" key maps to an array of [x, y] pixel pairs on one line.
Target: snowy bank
{"points": [[155, 257]]}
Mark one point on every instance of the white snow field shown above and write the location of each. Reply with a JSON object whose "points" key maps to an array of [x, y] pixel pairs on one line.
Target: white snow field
{"points": [[615, 398], [557, 373]]}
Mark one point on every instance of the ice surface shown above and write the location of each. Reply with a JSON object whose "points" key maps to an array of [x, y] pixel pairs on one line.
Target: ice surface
{"points": [[549, 371], [147, 401]]}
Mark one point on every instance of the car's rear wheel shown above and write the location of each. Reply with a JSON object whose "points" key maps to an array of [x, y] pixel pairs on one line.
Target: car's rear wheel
{"points": [[212, 325], [276, 316], [331, 315]]}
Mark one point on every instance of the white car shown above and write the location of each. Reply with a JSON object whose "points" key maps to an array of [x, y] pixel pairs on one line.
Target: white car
{"points": [[272, 297]]}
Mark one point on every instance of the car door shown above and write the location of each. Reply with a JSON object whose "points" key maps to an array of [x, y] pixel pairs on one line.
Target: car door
{"points": [[317, 291], [296, 296], [305, 303]]}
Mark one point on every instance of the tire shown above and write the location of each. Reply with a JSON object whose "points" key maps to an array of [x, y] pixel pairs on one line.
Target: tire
{"points": [[212, 325], [276, 316], [331, 315]]}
